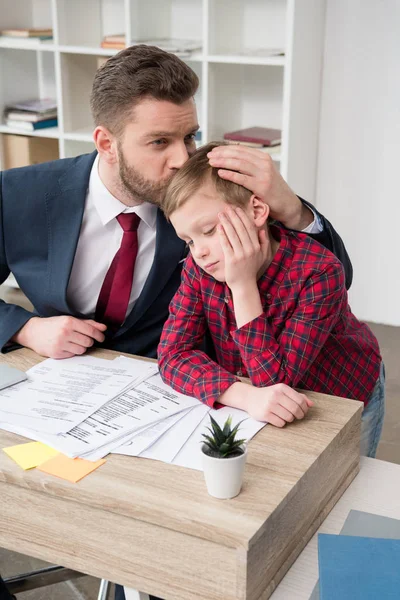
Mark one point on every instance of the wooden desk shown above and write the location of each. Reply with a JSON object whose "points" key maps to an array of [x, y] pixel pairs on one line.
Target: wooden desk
{"points": [[152, 526]]}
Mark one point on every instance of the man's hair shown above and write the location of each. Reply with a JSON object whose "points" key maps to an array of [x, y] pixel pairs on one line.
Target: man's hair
{"points": [[136, 73], [194, 173]]}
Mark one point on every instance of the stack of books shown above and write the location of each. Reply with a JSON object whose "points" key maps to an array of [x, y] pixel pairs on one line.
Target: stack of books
{"points": [[116, 41], [256, 137], [32, 114], [39, 33]]}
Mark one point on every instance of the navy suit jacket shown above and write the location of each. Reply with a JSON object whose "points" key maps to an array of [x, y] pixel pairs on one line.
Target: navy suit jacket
{"points": [[41, 214], [40, 219]]}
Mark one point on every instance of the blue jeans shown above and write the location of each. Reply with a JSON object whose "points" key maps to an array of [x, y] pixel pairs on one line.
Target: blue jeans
{"points": [[372, 417]]}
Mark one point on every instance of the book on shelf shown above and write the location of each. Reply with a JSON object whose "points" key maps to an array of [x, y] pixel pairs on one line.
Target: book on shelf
{"points": [[265, 136], [114, 41], [37, 105], [30, 116], [29, 126], [272, 150], [28, 32]]}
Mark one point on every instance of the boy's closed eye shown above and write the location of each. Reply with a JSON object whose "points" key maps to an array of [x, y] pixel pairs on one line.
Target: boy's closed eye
{"points": [[210, 231]]}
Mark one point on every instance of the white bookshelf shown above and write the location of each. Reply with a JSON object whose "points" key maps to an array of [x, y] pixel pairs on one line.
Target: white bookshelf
{"points": [[240, 86]]}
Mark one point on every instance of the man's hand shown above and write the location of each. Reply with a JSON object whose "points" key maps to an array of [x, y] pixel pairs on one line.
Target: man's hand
{"points": [[277, 404], [255, 170], [59, 337], [245, 248]]}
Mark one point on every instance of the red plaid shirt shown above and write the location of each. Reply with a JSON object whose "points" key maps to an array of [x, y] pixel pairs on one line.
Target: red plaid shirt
{"points": [[307, 336]]}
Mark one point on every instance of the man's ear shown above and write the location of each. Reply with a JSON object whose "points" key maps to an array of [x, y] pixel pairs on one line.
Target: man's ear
{"points": [[106, 144], [260, 211]]}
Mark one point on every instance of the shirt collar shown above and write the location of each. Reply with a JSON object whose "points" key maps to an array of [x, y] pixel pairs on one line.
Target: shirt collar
{"points": [[108, 207]]}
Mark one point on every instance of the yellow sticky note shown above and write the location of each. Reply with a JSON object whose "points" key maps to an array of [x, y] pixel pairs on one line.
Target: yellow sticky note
{"points": [[30, 455], [71, 469]]}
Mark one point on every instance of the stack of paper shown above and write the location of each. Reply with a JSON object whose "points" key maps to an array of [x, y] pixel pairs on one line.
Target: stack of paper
{"points": [[87, 407]]}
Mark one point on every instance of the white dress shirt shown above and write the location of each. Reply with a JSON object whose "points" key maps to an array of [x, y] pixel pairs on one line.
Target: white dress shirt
{"points": [[99, 240]]}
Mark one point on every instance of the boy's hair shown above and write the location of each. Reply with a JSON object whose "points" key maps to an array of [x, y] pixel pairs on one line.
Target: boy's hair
{"points": [[194, 173], [136, 73]]}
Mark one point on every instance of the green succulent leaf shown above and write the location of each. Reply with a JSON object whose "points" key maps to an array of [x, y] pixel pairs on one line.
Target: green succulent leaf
{"points": [[222, 442], [227, 427]]}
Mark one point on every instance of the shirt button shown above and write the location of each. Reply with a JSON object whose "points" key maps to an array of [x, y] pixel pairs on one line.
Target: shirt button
{"points": [[269, 298], [239, 373], [226, 299]]}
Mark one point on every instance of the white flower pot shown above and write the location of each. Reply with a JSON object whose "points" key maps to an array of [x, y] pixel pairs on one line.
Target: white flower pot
{"points": [[224, 476]]}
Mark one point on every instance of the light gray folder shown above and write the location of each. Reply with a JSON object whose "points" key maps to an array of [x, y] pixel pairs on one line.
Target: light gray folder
{"points": [[366, 525], [10, 376]]}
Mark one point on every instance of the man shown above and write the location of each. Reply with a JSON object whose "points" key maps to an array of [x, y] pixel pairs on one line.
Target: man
{"points": [[95, 272]]}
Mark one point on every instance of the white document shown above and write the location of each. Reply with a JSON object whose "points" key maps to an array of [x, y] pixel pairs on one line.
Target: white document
{"points": [[149, 402], [169, 444], [190, 454], [60, 394], [148, 436]]}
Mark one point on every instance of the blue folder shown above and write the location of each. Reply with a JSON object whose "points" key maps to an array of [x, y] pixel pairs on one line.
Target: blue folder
{"points": [[358, 568], [365, 524]]}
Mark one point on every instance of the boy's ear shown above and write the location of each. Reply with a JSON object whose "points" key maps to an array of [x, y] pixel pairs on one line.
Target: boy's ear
{"points": [[260, 210]]}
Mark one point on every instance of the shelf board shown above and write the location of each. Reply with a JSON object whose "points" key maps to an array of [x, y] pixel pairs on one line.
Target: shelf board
{"points": [[98, 51], [95, 50], [19, 43], [80, 135], [47, 132], [239, 59]]}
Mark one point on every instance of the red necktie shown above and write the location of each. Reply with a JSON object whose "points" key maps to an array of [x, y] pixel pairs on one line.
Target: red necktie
{"points": [[115, 292]]}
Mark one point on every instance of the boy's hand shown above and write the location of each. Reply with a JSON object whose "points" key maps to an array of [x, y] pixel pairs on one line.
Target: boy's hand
{"points": [[245, 248], [277, 404], [255, 170]]}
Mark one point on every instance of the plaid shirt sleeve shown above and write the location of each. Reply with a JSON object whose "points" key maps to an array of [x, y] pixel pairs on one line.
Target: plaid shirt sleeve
{"points": [[182, 365], [284, 359]]}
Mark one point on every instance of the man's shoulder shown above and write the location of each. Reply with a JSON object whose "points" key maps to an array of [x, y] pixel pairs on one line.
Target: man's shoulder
{"points": [[309, 255], [43, 174]]}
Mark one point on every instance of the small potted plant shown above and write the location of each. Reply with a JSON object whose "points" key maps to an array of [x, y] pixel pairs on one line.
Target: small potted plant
{"points": [[224, 458]]}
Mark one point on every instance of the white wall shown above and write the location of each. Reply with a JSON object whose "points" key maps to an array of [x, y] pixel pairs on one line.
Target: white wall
{"points": [[358, 176]]}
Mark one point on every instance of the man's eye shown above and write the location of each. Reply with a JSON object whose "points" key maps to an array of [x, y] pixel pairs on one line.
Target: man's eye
{"points": [[190, 138], [159, 142], [189, 243]]}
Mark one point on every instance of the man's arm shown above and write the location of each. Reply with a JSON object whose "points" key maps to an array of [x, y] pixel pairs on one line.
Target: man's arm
{"points": [[56, 337], [328, 237], [256, 171], [12, 317]]}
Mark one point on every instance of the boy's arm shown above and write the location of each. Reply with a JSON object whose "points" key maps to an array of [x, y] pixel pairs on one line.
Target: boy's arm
{"points": [[182, 365], [271, 359]]}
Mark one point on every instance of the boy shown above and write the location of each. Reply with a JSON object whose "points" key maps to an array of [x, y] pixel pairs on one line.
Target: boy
{"points": [[275, 304]]}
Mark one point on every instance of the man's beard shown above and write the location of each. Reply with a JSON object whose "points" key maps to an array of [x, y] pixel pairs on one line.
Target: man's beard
{"points": [[137, 186]]}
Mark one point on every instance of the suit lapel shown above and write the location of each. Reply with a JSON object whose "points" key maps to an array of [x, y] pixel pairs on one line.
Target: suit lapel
{"points": [[65, 209], [169, 251]]}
